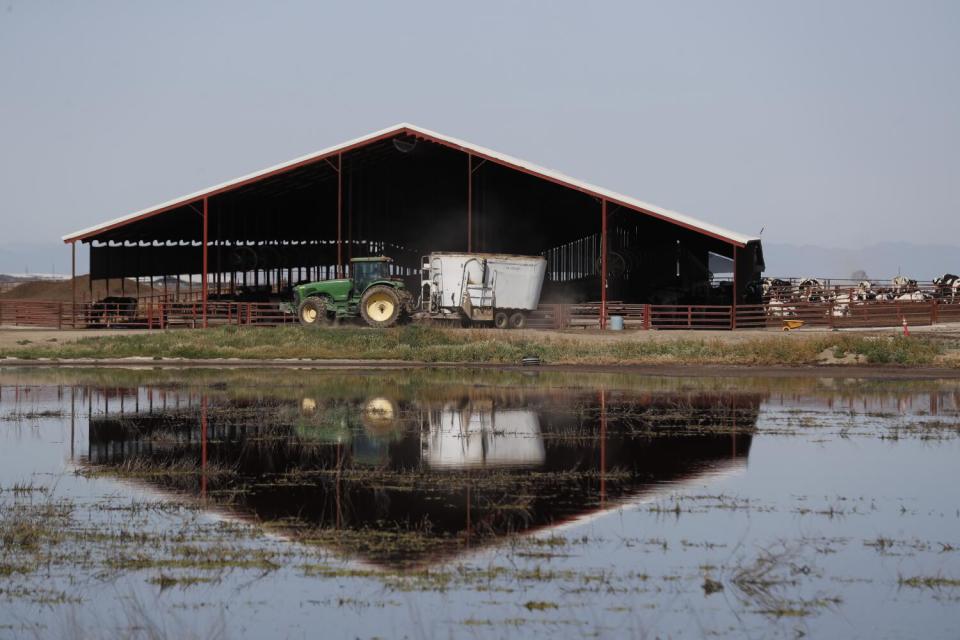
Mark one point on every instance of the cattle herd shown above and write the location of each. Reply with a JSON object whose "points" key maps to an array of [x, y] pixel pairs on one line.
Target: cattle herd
{"points": [[783, 296]]}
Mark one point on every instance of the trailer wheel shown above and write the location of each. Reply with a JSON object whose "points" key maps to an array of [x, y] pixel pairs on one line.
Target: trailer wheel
{"points": [[380, 306], [501, 320], [518, 320], [313, 312]]}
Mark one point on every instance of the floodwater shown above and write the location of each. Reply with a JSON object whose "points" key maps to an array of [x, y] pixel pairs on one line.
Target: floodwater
{"points": [[441, 503]]}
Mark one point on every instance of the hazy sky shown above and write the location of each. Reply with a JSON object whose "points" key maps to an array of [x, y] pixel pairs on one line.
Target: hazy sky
{"points": [[835, 123]]}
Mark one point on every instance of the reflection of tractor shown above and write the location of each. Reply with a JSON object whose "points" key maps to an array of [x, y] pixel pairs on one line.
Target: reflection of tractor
{"points": [[379, 416], [368, 439], [370, 292]]}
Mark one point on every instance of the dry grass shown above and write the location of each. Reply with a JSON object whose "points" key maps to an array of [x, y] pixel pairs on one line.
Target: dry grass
{"points": [[430, 344]]}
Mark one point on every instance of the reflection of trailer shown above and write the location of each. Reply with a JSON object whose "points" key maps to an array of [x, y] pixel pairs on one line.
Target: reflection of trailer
{"points": [[479, 435], [482, 287]]}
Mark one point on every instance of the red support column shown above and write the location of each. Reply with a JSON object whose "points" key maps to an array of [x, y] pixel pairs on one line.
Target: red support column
{"points": [[603, 446], [203, 284], [603, 264], [469, 202], [339, 216], [733, 307], [73, 283], [203, 447]]}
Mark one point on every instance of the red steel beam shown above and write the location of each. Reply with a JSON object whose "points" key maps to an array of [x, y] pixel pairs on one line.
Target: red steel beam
{"points": [[73, 283], [603, 264], [339, 216], [469, 202], [733, 304], [603, 445], [385, 136], [204, 283], [235, 185], [563, 183], [203, 447]]}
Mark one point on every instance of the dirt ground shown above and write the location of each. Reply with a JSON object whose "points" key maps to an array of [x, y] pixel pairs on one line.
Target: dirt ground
{"points": [[11, 336]]}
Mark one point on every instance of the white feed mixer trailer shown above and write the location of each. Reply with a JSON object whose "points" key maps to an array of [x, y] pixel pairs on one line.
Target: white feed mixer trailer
{"points": [[482, 287]]}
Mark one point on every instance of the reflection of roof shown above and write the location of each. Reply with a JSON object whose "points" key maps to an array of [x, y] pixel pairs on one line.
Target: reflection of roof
{"points": [[478, 470], [448, 141], [227, 513]]}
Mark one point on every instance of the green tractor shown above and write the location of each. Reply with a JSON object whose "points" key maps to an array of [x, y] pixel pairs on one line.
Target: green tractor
{"points": [[370, 292]]}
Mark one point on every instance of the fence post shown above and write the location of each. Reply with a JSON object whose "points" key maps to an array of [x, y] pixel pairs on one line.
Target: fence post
{"points": [[689, 316], [59, 315], [733, 317], [933, 312]]}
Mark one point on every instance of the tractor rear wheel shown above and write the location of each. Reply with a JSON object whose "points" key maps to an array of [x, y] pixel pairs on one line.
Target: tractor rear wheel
{"points": [[380, 306], [501, 320], [313, 312]]}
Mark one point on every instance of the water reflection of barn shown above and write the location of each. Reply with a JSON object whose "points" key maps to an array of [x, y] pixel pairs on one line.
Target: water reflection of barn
{"points": [[530, 459]]}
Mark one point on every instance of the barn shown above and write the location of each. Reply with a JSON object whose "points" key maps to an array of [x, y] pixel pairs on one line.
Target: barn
{"points": [[404, 192]]}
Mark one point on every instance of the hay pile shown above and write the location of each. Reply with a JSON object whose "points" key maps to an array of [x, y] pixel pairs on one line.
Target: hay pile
{"points": [[62, 290]]}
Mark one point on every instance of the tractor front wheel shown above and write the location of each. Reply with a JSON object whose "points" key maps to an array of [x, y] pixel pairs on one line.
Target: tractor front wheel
{"points": [[380, 306], [313, 312]]}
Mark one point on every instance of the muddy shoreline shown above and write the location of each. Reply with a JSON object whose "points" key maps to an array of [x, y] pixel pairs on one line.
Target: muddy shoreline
{"points": [[669, 370]]}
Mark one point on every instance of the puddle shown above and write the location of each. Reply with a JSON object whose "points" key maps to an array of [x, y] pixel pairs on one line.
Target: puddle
{"points": [[474, 503]]}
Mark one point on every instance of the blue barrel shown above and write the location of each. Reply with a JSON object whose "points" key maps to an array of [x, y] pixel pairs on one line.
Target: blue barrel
{"points": [[616, 323]]}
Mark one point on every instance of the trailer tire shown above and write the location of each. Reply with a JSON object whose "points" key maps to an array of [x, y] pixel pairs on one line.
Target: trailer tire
{"points": [[380, 306], [314, 312], [501, 320], [518, 320]]}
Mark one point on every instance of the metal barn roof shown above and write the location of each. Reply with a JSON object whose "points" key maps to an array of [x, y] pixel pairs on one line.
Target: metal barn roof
{"points": [[432, 136]]}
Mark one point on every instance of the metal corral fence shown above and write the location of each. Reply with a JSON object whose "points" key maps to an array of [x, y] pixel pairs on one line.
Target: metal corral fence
{"points": [[163, 315], [132, 315], [783, 288]]}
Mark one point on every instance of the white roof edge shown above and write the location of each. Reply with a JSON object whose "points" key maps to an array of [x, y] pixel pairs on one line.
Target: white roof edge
{"points": [[667, 214]]}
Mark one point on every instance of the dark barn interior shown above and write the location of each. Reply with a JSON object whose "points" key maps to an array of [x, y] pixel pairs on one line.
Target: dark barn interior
{"points": [[406, 192]]}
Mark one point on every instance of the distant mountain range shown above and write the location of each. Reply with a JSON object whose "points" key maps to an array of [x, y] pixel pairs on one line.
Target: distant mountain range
{"points": [[38, 258], [880, 261]]}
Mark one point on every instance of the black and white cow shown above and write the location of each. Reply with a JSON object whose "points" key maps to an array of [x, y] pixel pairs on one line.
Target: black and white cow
{"points": [[948, 286], [775, 288], [864, 292], [811, 290], [903, 284]]}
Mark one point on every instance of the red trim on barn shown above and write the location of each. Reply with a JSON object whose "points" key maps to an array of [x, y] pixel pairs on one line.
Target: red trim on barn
{"points": [[401, 130]]}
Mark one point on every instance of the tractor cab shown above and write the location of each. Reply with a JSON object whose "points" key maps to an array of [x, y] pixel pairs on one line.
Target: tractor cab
{"points": [[364, 271]]}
